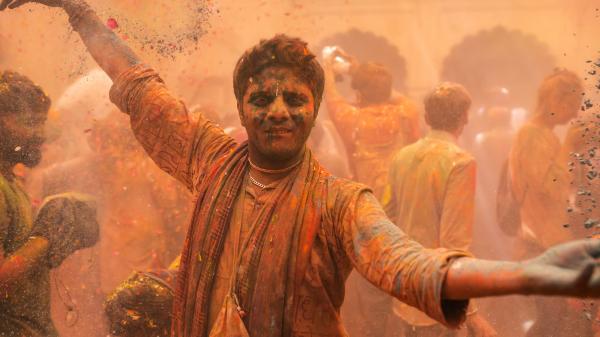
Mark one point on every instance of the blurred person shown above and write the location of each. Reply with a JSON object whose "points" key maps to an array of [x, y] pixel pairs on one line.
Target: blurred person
{"points": [[28, 248], [538, 163], [431, 196], [84, 101], [288, 277], [131, 193], [372, 129], [540, 183], [490, 149], [140, 306]]}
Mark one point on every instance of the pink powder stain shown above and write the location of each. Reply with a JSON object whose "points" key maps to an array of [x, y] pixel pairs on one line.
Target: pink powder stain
{"points": [[112, 23]]}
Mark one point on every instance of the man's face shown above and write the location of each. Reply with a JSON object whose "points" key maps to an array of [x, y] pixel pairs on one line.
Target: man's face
{"points": [[22, 137], [566, 106], [278, 113]]}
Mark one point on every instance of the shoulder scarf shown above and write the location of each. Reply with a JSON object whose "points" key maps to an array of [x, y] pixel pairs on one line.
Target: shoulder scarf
{"points": [[275, 259]]}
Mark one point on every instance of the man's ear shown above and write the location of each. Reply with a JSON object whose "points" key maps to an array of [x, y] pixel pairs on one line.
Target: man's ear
{"points": [[240, 106]]}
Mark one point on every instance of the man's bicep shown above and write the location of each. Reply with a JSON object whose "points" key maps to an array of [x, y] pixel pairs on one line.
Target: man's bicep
{"points": [[178, 144], [394, 263]]}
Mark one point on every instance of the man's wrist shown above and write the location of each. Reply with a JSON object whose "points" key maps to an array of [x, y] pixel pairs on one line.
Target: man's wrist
{"points": [[527, 281], [77, 10]]}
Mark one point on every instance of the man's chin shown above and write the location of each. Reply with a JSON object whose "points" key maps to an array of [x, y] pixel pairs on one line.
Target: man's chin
{"points": [[281, 154]]}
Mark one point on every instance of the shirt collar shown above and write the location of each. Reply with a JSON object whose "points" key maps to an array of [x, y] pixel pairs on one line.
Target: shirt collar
{"points": [[442, 135]]}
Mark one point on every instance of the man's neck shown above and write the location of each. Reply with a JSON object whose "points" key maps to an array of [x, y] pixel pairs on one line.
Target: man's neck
{"points": [[267, 172], [443, 134], [540, 120]]}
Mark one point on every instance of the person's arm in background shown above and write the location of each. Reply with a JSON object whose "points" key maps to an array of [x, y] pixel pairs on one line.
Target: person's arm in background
{"points": [[16, 266], [343, 114], [161, 123]]}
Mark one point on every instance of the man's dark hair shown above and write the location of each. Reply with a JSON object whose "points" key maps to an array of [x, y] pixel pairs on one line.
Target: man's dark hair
{"points": [[373, 81], [556, 85], [446, 107], [17, 92], [284, 51]]}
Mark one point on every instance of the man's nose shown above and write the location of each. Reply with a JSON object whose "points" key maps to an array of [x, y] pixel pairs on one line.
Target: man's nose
{"points": [[278, 110]]}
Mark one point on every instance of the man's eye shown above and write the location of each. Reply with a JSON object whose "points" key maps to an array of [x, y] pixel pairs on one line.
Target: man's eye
{"points": [[295, 100], [260, 101]]}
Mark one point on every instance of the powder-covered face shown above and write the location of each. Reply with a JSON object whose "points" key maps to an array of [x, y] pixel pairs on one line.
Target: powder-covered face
{"points": [[22, 135], [278, 114], [566, 106]]}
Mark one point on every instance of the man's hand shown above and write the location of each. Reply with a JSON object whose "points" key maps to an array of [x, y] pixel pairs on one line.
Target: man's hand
{"points": [[477, 326], [17, 3], [568, 269], [107, 49], [68, 222]]}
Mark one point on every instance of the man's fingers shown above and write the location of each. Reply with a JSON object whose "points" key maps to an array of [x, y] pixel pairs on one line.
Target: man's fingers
{"points": [[4, 4], [17, 3], [594, 286], [583, 279]]}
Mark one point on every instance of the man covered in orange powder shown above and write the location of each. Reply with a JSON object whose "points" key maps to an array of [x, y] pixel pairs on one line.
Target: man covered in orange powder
{"points": [[541, 183], [273, 235], [30, 247], [376, 126]]}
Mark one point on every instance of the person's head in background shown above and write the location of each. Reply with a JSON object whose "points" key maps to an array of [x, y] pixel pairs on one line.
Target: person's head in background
{"points": [[82, 102], [23, 112], [559, 98], [372, 83], [447, 108]]}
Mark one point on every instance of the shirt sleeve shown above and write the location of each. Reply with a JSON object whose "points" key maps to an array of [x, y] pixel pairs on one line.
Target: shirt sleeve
{"points": [[384, 255], [456, 223], [183, 147]]}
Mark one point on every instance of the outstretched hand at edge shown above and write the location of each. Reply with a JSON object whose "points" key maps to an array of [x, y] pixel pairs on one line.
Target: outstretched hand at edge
{"points": [[569, 269]]}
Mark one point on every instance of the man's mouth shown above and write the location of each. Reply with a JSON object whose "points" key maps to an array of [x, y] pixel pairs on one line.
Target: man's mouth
{"points": [[279, 131]]}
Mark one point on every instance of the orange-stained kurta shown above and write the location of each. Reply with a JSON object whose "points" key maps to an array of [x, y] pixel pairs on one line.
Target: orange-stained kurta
{"points": [[431, 197], [352, 233], [540, 182], [372, 135]]}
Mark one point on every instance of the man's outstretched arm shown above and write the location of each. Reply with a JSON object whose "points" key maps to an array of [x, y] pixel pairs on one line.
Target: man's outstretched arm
{"points": [[564, 270], [109, 51]]}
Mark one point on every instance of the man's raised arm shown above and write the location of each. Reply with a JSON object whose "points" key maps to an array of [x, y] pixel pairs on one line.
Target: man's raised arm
{"points": [[109, 51], [180, 146]]}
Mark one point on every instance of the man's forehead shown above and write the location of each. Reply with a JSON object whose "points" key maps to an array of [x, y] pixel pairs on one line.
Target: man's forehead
{"points": [[277, 78], [275, 75]]}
